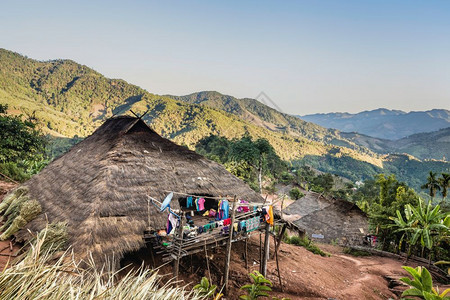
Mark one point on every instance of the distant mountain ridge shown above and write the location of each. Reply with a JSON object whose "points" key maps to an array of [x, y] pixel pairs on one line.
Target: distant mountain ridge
{"points": [[384, 123]]}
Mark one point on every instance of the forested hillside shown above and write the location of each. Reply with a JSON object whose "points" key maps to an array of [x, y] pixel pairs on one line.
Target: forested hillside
{"points": [[70, 100]]}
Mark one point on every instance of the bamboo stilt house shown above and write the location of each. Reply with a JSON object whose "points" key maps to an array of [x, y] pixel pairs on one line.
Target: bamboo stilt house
{"points": [[100, 187]]}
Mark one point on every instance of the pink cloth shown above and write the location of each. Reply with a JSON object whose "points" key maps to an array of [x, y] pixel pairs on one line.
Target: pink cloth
{"points": [[201, 204]]}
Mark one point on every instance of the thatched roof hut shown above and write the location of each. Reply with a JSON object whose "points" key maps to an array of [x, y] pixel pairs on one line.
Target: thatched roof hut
{"points": [[100, 187], [337, 220]]}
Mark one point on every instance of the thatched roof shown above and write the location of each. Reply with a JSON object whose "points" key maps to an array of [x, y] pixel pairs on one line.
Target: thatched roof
{"points": [[100, 187]]}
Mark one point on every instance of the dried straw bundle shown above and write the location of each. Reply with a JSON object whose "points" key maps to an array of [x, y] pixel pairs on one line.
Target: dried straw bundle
{"points": [[54, 236], [16, 225], [13, 211], [28, 211], [20, 191]]}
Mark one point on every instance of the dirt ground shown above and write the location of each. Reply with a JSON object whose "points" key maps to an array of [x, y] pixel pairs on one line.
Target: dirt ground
{"points": [[304, 275]]}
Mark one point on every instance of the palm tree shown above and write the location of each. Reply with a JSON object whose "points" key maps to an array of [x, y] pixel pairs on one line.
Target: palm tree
{"points": [[444, 182], [432, 184]]}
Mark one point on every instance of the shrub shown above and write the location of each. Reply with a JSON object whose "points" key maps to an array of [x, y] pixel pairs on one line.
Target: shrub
{"points": [[306, 243], [296, 194], [354, 252]]}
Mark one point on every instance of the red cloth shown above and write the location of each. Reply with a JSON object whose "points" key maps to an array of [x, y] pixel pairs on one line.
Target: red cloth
{"points": [[227, 222]]}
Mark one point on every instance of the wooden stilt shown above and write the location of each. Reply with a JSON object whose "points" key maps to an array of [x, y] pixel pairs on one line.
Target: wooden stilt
{"points": [[246, 254], [276, 258], [260, 253], [207, 264], [279, 239], [176, 267], [266, 251], [230, 241]]}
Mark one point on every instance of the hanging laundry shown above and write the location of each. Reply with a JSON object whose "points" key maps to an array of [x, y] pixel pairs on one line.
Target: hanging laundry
{"points": [[270, 221], [189, 202], [172, 223], [201, 204], [212, 213], [235, 227], [226, 222], [225, 209], [252, 224], [243, 208]]}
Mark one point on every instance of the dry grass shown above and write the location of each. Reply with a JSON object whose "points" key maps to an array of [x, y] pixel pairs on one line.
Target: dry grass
{"points": [[39, 276]]}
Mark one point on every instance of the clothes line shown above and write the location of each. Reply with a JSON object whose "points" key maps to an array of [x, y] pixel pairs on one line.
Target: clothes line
{"points": [[230, 199], [199, 196]]}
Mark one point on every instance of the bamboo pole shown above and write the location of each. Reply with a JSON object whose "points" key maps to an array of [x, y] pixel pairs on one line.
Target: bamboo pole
{"points": [[176, 267], [266, 250], [246, 254], [276, 258], [230, 241]]}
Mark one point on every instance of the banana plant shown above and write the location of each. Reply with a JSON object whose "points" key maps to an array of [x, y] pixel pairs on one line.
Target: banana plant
{"points": [[422, 285], [258, 288], [430, 222], [206, 289]]}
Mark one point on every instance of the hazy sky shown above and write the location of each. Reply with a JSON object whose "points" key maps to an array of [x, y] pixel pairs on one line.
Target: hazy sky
{"points": [[307, 56]]}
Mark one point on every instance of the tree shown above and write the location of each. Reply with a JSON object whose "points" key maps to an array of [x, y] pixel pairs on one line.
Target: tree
{"points": [[444, 183], [19, 139], [423, 223], [432, 184]]}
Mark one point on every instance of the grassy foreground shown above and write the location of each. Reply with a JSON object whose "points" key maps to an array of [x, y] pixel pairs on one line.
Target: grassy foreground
{"points": [[40, 276]]}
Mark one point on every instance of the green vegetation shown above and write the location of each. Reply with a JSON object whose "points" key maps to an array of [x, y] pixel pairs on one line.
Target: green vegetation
{"points": [[421, 285], [22, 146], [355, 252], [259, 287], [207, 290], [295, 193], [71, 100], [423, 223], [306, 243], [248, 159]]}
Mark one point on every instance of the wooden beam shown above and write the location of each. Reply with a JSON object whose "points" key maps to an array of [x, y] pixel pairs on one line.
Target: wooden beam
{"points": [[230, 241]]}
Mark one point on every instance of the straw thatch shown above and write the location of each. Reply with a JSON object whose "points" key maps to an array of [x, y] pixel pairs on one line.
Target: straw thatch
{"points": [[100, 187]]}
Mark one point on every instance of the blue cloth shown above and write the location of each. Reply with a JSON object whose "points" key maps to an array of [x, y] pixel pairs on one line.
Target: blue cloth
{"points": [[189, 202], [225, 209]]}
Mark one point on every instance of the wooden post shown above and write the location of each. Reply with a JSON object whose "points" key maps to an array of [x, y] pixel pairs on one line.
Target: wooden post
{"points": [[246, 254], [276, 257], [279, 239], [260, 253], [176, 267], [230, 241], [266, 250], [207, 263]]}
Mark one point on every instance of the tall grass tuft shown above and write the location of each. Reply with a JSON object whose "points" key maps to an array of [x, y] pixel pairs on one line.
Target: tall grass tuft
{"points": [[40, 276]]}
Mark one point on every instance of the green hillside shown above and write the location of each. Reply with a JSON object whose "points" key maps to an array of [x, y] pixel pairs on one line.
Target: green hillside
{"points": [[71, 100]]}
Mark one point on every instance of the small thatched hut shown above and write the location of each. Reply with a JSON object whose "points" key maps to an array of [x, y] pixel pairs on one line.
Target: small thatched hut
{"points": [[334, 219], [100, 187]]}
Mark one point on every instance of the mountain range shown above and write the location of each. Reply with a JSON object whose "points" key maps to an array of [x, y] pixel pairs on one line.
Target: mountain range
{"points": [[71, 100], [384, 123]]}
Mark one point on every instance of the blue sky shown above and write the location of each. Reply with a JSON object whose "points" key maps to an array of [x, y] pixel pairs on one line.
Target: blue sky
{"points": [[308, 56]]}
